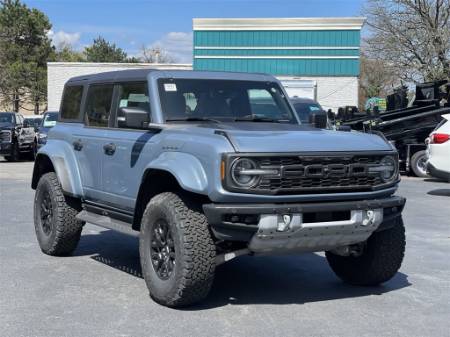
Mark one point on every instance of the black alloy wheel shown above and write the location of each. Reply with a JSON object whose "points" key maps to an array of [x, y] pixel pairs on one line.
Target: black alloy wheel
{"points": [[162, 250]]}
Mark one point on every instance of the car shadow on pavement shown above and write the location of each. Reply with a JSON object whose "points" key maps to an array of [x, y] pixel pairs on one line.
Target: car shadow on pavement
{"points": [[442, 192], [246, 280]]}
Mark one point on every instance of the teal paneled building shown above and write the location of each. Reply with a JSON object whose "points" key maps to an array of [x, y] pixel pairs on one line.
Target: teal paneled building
{"points": [[323, 50]]}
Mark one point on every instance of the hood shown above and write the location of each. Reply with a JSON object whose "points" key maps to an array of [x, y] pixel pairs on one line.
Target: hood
{"points": [[7, 126], [272, 137]]}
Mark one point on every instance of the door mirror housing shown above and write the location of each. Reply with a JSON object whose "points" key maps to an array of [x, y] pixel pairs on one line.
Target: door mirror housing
{"points": [[318, 119], [133, 118]]}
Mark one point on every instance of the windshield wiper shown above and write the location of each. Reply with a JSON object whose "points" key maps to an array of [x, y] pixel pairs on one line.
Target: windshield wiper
{"points": [[257, 119], [193, 119]]}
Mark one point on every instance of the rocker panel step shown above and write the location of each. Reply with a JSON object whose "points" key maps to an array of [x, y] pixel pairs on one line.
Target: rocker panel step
{"points": [[107, 222]]}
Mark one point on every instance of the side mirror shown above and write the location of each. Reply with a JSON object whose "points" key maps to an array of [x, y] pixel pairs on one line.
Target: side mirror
{"points": [[318, 120], [132, 118]]}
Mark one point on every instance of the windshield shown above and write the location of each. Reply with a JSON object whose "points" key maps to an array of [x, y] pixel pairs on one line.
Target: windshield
{"points": [[6, 118], [50, 120], [223, 100], [304, 110]]}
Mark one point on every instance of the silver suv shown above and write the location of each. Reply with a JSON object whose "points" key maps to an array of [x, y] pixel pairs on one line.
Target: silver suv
{"points": [[207, 166]]}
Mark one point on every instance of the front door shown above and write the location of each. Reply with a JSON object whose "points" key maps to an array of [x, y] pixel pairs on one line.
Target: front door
{"points": [[127, 151]]}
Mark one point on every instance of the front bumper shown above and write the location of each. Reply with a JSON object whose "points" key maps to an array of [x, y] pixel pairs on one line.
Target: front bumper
{"points": [[285, 228], [434, 172], [5, 148]]}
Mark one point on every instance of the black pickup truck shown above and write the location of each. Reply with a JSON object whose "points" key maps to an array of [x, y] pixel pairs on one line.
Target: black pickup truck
{"points": [[16, 136]]}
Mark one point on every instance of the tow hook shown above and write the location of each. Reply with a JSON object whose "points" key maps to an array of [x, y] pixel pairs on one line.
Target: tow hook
{"points": [[368, 217]]}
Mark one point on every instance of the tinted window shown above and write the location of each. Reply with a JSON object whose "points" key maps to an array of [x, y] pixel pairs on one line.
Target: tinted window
{"points": [[6, 118], [50, 120], [225, 100], [98, 105], [304, 110], [71, 102]]}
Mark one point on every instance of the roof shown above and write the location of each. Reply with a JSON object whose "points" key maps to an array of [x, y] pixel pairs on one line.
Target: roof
{"points": [[337, 23], [142, 74]]}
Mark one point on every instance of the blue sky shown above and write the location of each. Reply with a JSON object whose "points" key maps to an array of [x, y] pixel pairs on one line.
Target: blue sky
{"points": [[133, 23]]}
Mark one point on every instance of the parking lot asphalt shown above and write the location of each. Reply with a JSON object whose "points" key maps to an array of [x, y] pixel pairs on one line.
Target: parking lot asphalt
{"points": [[99, 290]]}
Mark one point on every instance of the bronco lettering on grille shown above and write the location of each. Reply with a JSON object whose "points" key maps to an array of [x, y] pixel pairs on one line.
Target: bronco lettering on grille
{"points": [[324, 171]]}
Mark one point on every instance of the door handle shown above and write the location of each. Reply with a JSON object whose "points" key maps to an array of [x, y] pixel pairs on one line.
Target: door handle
{"points": [[109, 149], [77, 145]]}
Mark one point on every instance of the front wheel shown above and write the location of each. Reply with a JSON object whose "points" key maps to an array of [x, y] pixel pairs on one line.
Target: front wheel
{"points": [[176, 250], [15, 153], [379, 261]]}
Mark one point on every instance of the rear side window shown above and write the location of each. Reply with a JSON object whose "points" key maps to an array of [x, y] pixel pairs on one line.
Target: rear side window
{"points": [[71, 102], [98, 105]]}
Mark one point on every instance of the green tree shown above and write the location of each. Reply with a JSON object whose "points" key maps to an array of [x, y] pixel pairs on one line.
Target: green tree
{"points": [[24, 50], [65, 53], [104, 51]]}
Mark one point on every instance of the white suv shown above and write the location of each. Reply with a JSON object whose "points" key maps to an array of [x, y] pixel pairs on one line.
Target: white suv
{"points": [[438, 164]]}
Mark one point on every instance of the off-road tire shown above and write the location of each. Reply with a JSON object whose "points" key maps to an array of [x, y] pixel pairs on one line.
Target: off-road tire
{"points": [[15, 153], [193, 271], [415, 163], [381, 258], [64, 232]]}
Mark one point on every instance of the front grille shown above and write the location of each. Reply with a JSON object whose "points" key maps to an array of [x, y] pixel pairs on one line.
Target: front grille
{"points": [[5, 136], [318, 174]]}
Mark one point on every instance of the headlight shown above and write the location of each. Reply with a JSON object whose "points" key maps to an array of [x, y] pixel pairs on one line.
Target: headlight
{"points": [[42, 135], [388, 168], [241, 172]]}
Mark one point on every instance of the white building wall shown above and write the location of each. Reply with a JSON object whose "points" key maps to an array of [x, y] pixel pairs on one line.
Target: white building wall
{"points": [[59, 72], [334, 92]]}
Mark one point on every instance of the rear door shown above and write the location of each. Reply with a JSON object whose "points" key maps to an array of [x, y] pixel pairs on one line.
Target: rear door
{"points": [[88, 140]]}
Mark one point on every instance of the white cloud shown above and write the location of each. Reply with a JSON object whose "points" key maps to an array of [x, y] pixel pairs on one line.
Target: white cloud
{"points": [[177, 44], [63, 38]]}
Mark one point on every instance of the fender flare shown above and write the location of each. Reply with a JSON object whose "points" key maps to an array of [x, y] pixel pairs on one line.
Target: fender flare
{"points": [[65, 166], [186, 169]]}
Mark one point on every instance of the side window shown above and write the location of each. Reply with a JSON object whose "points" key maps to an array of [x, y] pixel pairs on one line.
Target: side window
{"points": [[71, 102], [98, 105], [133, 95]]}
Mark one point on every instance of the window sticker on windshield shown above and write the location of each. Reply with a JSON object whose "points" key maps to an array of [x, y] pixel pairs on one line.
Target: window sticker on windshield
{"points": [[170, 87]]}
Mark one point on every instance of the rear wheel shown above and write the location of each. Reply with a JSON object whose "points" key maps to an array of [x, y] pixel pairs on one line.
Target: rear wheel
{"points": [[419, 163], [381, 258], [177, 251], [57, 229]]}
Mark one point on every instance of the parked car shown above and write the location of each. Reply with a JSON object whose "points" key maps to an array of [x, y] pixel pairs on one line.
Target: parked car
{"points": [[16, 136], [49, 120], [33, 120], [207, 166], [438, 150], [306, 108]]}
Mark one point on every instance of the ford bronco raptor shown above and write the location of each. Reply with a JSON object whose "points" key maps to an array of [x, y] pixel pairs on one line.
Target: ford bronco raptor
{"points": [[207, 166]]}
